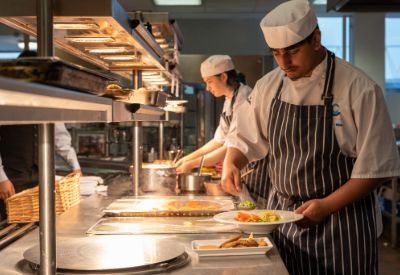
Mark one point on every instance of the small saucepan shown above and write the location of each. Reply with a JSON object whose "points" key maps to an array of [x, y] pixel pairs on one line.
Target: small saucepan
{"points": [[192, 182]]}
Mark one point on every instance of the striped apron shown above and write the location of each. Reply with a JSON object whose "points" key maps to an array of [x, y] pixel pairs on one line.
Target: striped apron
{"points": [[258, 181], [306, 163]]}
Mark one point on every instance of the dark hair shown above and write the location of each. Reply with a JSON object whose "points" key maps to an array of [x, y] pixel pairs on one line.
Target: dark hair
{"points": [[233, 79]]}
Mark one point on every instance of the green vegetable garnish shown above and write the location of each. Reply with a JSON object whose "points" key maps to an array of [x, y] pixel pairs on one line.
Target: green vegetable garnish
{"points": [[247, 204]]}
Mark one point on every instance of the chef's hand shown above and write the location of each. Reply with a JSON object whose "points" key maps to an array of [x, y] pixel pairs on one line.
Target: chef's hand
{"points": [[230, 180], [314, 211], [6, 189], [184, 167], [181, 161]]}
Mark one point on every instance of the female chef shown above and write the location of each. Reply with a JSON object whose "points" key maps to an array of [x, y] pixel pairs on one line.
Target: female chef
{"points": [[326, 130], [220, 76]]}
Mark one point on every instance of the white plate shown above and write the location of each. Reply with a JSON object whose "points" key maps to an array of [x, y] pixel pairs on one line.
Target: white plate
{"points": [[258, 227], [229, 251]]}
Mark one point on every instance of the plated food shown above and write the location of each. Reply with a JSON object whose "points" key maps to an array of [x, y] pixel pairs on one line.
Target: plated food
{"points": [[263, 216], [233, 246], [247, 223]]}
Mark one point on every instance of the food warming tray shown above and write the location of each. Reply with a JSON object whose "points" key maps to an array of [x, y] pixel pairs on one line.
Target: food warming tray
{"points": [[159, 225], [53, 71], [169, 206]]}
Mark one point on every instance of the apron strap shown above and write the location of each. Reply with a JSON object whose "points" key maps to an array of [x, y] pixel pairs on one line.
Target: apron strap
{"points": [[330, 71]]}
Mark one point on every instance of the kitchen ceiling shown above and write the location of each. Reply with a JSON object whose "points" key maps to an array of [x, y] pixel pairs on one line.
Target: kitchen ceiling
{"points": [[210, 8]]}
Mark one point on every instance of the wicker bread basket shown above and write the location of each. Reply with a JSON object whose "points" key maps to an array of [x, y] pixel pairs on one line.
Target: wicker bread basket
{"points": [[23, 207]]}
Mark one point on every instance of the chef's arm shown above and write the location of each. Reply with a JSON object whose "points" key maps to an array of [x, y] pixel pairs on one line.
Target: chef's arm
{"points": [[209, 159], [207, 148], [353, 190], [234, 161], [6, 186]]}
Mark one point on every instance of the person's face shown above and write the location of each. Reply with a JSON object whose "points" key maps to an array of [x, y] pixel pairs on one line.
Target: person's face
{"points": [[216, 84], [299, 61]]}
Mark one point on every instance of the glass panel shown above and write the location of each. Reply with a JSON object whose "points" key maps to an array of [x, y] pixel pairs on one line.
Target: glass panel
{"points": [[392, 53]]}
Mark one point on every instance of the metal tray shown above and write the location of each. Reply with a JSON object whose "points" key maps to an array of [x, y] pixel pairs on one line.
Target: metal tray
{"points": [[53, 71], [169, 206], [159, 225]]}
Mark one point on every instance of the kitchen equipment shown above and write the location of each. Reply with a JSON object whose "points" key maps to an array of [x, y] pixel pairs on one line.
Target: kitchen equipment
{"points": [[150, 206], [159, 225], [238, 251], [148, 97], [159, 178], [258, 227], [192, 182], [115, 255], [53, 71], [201, 165], [214, 188], [178, 155]]}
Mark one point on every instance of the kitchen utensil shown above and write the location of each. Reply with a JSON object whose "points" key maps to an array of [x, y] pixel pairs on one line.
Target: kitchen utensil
{"points": [[214, 188], [157, 178], [245, 174], [201, 165], [245, 195], [192, 182], [178, 155]]}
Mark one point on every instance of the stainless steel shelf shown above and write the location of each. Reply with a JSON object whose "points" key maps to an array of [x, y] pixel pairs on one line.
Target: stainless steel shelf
{"points": [[27, 103]]}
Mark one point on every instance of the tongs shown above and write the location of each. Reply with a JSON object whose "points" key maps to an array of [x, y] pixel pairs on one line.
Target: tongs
{"points": [[179, 153], [245, 195]]}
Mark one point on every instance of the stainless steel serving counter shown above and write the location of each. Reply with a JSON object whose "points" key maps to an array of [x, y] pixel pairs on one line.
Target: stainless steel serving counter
{"points": [[76, 221]]}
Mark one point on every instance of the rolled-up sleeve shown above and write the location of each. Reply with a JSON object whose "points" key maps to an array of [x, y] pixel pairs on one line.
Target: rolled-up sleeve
{"points": [[247, 132], [377, 154], [63, 147]]}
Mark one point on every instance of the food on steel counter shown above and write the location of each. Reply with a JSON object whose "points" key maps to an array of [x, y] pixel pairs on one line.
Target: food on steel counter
{"points": [[264, 216], [237, 242]]}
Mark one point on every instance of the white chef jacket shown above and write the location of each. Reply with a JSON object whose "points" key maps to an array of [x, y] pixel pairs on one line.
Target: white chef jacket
{"points": [[361, 121], [223, 129], [62, 147]]}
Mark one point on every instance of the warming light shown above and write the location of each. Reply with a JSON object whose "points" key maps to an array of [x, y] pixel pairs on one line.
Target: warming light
{"points": [[107, 50], [88, 39], [126, 64], [75, 26], [119, 57], [177, 2]]}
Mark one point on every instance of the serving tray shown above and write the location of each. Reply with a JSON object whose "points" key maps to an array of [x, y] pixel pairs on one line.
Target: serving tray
{"points": [[169, 206]]}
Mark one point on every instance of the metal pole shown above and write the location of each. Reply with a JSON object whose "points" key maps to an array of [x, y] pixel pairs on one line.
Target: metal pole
{"points": [[161, 137], [47, 229], [136, 141], [137, 161], [47, 200]]}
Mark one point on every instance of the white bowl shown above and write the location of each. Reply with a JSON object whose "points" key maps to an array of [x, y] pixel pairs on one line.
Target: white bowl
{"points": [[258, 227]]}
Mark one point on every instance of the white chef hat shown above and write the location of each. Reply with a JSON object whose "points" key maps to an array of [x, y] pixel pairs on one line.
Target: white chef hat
{"points": [[288, 24], [216, 64]]}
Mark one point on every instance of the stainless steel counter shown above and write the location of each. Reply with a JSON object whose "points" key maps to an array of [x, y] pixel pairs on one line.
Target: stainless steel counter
{"points": [[75, 222]]}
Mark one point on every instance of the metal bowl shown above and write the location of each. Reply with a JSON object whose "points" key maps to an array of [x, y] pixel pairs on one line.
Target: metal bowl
{"points": [[192, 182]]}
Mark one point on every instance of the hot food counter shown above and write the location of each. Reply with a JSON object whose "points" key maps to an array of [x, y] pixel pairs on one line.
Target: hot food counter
{"points": [[139, 249]]}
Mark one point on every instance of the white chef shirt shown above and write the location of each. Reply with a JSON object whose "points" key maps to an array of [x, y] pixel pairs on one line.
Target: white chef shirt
{"points": [[223, 129], [361, 121], [62, 147]]}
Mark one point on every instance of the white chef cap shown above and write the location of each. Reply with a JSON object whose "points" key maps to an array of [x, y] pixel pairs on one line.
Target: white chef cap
{"points": [[216, 64], [288, 24]]}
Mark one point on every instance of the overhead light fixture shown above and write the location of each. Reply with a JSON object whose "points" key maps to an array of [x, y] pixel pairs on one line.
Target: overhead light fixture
{"points": [[127, 64], [75, 26], [32, 45], [88, 39], [119, 57], [107, 50], [319, 2], [177, 2]]}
